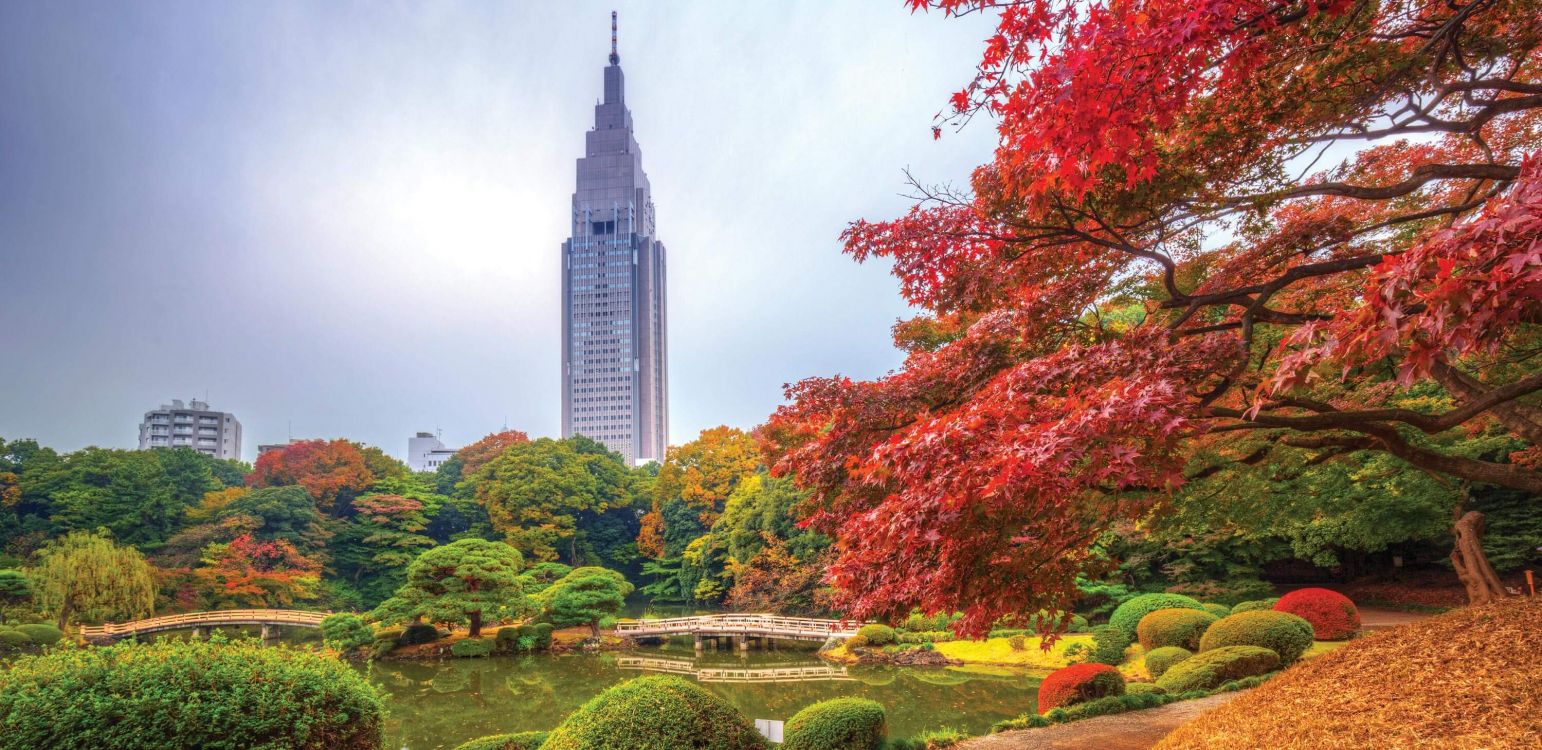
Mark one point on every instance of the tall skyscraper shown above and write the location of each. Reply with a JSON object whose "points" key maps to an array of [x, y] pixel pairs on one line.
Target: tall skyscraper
{"points": [[615, 370], [195, 425]]}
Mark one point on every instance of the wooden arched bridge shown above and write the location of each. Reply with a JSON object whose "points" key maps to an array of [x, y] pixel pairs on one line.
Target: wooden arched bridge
{"points": [[741, 627], [267, 618], [810, 672]]}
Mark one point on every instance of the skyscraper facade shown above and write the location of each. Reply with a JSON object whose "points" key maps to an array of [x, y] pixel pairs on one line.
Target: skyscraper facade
{"points": [[615, 371]]}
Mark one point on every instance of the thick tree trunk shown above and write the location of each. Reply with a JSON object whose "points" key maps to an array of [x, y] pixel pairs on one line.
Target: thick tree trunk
{"points": [[476, 624], [1471, 564], [594, 628]]}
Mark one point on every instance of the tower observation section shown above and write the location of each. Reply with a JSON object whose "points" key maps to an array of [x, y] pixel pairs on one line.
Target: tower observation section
{"points": [[615, 373]]}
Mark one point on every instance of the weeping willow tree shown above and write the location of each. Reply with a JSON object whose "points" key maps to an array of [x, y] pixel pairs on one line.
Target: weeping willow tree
{"points": [[85, 577]]}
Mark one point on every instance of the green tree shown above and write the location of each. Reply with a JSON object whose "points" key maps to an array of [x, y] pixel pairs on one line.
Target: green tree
{"points": [[586, 596], [15, 590], [469, 580], [86, 577], [535, 492]]}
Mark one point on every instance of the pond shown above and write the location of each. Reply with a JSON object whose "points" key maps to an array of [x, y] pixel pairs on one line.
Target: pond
{"points": [[441, 704]]}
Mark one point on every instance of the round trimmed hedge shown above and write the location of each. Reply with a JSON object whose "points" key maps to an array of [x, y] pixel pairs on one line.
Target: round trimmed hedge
{"points": [[1219, 610], [1159, 660], [41, 634], [1281, 632], [1143, 688], [471, 648], [1332, 615], [1128, 615], [1173, 627], [655, 713], [345, 631], [1079, 683], [12, 639], [515, 741], [1207, 670], [837, 724], [1255, 604], [216, 694], [877, 635]]}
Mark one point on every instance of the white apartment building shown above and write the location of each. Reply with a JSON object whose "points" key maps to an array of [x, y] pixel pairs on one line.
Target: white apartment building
{"points": [[191, 425]]}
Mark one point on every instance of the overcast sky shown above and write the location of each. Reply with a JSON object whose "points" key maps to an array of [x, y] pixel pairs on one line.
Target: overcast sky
{"points": [[345, 220]]}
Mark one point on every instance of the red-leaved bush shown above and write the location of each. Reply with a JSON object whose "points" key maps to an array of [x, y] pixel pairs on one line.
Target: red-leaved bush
{"points": [[1079, 683], [1333, 615]]}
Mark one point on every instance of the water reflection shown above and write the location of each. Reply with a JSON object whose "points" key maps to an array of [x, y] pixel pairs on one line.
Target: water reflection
{"points": [[441, 704]]}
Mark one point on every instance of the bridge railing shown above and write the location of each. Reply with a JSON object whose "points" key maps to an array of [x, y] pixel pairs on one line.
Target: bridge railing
{"points": [[199, 619], [791, 673], [756, 624]]}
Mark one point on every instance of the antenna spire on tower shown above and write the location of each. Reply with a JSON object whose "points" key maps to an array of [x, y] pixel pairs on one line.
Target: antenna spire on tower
{"points": [[615, 59]]}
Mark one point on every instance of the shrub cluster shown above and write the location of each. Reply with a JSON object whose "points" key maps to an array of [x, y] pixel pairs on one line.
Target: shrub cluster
{"points": [[530, 637], [1332, 615], [1079, 683], [1283, 633], [1255, 604], [877, 635], [1159, 660], [12, 639], [1209, 669], [837, 724], [345, 632], [515, 741], [918, 622], [1128, 615], [216, 694], [1173, 627], [655, 713], [1219, 610], [471, 648], [419, 633], [926, 636], [1108, 645]]}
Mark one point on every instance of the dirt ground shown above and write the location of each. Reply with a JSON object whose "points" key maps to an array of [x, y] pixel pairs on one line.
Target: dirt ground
{"points": [[1135, 730]]}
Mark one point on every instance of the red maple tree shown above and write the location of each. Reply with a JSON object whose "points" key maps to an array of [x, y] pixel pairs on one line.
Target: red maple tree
{"points": [[328, 469], [1204, 218], [476, 455]]}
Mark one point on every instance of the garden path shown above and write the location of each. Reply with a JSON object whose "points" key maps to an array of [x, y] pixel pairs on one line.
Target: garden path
{"points": [[1135, 730]]}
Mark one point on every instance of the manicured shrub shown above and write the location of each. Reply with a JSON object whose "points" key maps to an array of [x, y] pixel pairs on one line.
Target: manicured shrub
{"points": [[1115, 704], [1256, 604], [1136, 688], [1108, 645], [1332, 615], [515, 741], [345, 632], [12, 639], [927, 636], [1173, 627], [420, 633], [381, 647], [1017, 642], [1079, 683], [877, 635], [857, 641], [471, 648], [41, 634], [540, 633], [215, 695], [1209, 669], [837, 724], [655, 713], [1219, 610], [1281, 632], [1159, 660], [1128, 615]]}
